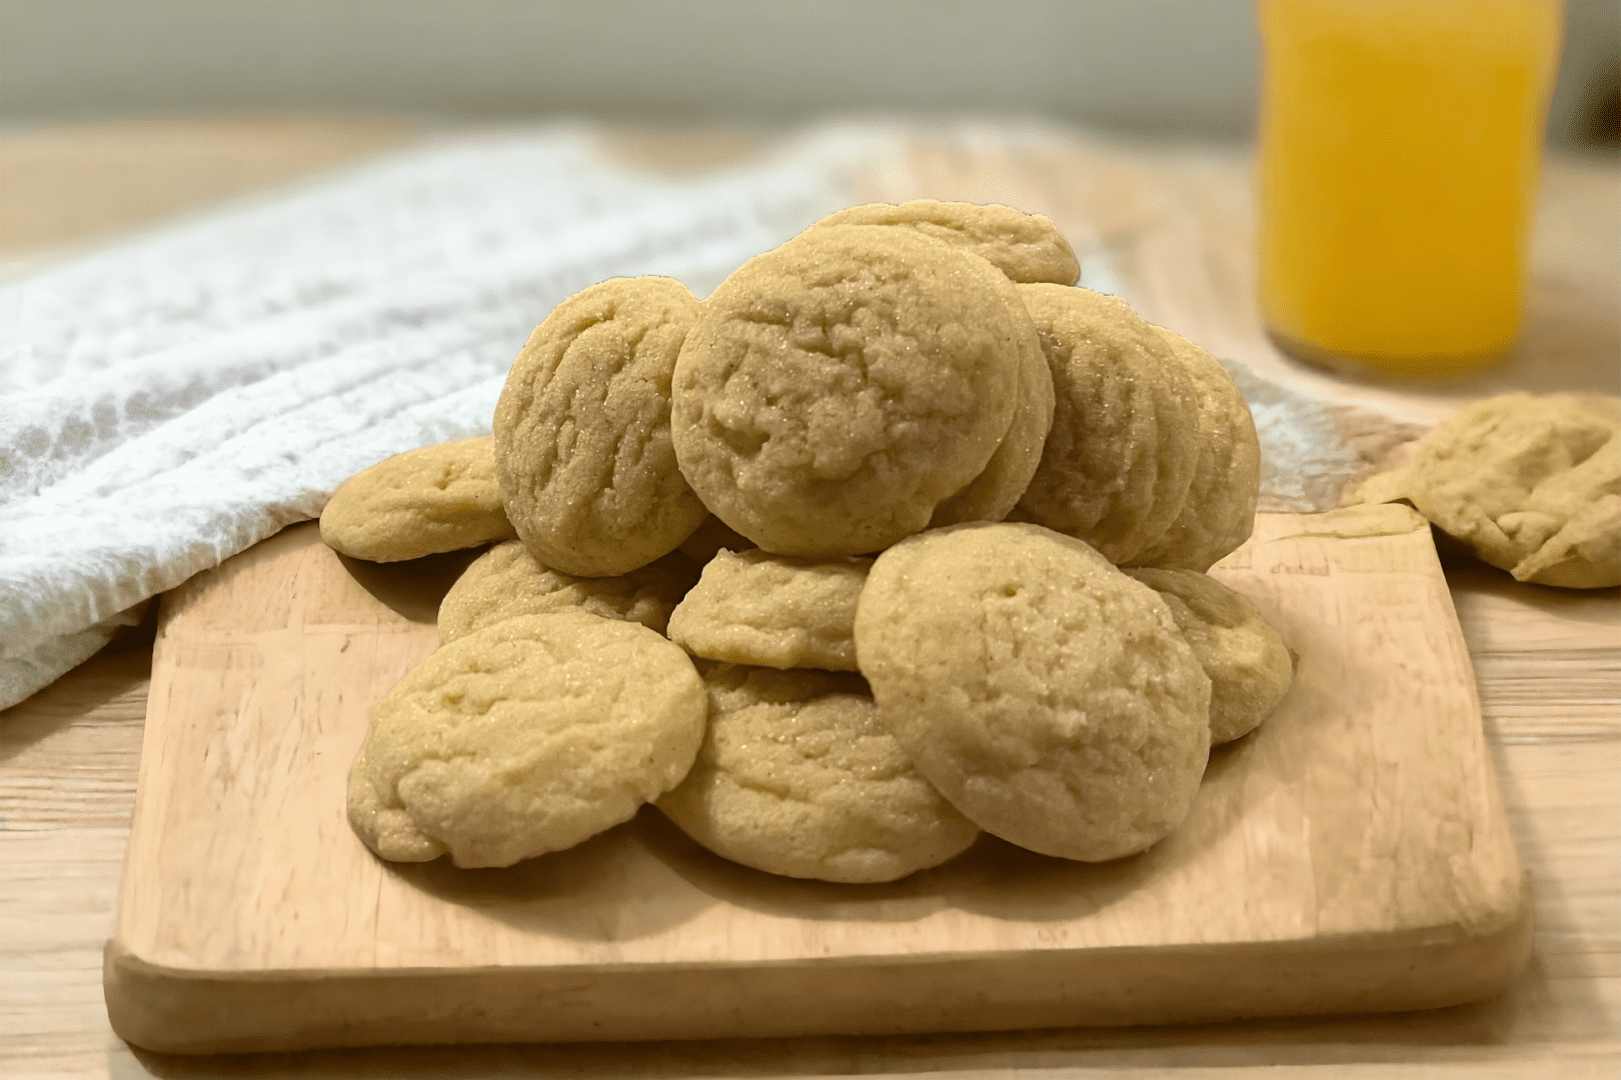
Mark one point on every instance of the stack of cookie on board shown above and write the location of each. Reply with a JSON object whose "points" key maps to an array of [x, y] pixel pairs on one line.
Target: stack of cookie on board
{"points": [[897, 537]]}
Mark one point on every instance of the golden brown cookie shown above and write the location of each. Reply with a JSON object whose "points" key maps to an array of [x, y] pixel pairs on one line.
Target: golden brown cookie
{"points": [[525, 737], [1025, 247], [1219, 512], [1250, 667], [582, 430], [992, 494], [752, 607], [840, 388], [1123, 448], [1047, 695], [506, 582], [1533, 484], [796, 776], [422, 502]]}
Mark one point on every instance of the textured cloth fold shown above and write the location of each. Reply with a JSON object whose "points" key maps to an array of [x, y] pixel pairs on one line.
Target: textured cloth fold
{"points": [[171, 402]]}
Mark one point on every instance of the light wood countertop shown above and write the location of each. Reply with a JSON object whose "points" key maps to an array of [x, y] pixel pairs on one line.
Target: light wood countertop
{"points": [[1175, 225]]}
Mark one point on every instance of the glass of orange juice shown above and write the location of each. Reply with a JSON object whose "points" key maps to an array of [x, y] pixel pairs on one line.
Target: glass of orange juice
{"points": [[1399, 147]]}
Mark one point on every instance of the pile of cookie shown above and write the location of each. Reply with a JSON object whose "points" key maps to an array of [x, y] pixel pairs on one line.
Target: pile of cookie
{"points": [[898, 536]]}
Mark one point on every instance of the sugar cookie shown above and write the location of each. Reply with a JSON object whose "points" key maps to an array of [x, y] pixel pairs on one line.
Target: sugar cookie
{"points": [[525, 737], [422, 502], [796, 776], [753, 607], [992, 494], [1533, 484], [1025, 247], [838, 389], [582, 430], [1047, 695], [1219, 511], [1123, 449], [1249, 666]]}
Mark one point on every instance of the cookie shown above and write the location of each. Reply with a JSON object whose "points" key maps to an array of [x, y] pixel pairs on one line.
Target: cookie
{"points": [[1123, 449], [992, 494], [1219, 512], [1532, 483], [798, 777], [753, 607], [1025, 247], [1047, 695], [422, 502], [525, 737], [506, 582], [1249, 666], [582, 430], [841, 387]]}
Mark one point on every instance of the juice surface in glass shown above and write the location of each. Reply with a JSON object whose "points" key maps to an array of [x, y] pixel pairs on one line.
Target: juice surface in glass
{"points": [[1398, 159]]}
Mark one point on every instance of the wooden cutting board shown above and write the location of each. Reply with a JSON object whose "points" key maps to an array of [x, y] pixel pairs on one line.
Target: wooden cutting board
{"points": [[1351, 855]]}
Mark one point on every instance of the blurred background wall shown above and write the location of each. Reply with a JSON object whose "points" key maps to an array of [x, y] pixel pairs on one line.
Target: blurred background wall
{"points": [[1184, 68]]}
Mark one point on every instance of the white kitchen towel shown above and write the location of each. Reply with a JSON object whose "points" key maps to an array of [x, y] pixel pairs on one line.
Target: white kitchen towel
{"points": [[168, 403]]}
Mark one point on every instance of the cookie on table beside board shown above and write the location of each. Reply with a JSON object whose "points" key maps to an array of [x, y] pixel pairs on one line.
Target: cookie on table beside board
{"points": [[753, 607], [527, 736], [506, 582], [422, 502], [838, 389], [797, 776], [1047, 695], [1532, 484], [1249, 666], [582, 430]]}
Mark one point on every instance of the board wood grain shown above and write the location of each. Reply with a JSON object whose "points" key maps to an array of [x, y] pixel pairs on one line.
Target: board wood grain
{"points": [[1350, 856]]}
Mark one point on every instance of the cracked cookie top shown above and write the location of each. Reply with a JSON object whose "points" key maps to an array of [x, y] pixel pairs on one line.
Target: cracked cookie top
{"points": [[525, 737], [838, 389], [1047, 695], [797, 776], [422, 502], [582, 430]]}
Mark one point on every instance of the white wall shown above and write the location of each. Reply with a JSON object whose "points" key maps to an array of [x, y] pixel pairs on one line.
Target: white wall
{"points": [[1163, 66]]}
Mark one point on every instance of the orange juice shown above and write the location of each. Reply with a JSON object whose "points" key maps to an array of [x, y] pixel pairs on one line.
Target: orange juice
{"points": [[1399, 147]]}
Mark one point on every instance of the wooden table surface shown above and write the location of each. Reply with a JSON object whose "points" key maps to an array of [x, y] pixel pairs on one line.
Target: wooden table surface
{"points": [[1175, 228]]}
